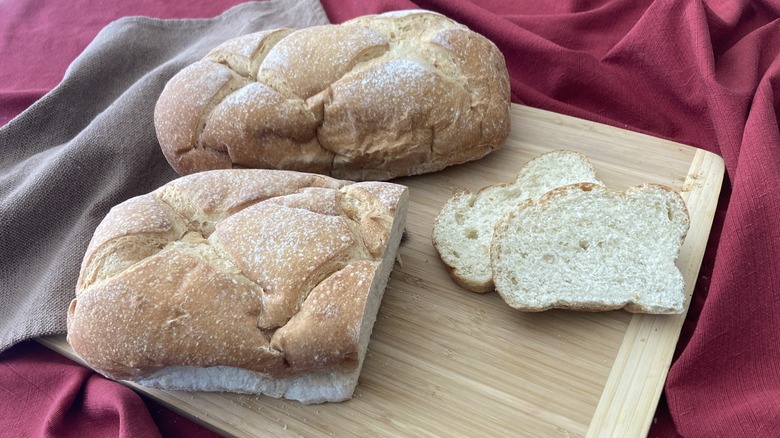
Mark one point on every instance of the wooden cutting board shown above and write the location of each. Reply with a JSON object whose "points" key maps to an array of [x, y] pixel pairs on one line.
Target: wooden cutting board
{"points": [[446, 362]]}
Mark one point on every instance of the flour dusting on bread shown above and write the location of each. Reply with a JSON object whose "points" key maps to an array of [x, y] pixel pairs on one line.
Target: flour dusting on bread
{"points": [[374, 98], [274, 277]]}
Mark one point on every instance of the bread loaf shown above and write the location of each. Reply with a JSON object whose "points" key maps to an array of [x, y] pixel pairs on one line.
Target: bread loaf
{"points": [[375, 98], [587, 247], [463, 229], [255, 281]]}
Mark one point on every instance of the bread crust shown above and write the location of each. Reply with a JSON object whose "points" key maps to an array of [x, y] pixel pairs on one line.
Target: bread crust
{"points": [[260, 270], [373, 98]]}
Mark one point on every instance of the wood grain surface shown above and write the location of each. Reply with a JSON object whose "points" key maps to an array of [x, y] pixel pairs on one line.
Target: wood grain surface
{"points": [[446, 362]]}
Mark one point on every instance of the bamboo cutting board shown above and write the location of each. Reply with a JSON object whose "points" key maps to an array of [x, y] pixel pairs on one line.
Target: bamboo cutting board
{"points": [[446, 362]]}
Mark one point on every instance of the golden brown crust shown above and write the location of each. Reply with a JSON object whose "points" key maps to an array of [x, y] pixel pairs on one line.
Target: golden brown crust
{"points": [[255, 269], [334, 308], [373, 98]]}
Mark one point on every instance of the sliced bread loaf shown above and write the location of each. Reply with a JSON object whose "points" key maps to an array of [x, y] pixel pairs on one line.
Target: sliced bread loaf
{"points": [[464, 227], [587, 247]]}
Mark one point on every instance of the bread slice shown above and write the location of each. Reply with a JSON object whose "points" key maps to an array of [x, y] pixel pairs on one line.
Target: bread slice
{"points": [[252, 281], [586, 247], [463, 230]]}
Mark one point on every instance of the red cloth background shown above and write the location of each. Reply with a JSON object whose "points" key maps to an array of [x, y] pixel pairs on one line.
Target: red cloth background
{"points": [[703, 73]]}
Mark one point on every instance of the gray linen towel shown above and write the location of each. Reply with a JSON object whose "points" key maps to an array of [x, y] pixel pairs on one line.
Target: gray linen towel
{"points": [[90, 144]]}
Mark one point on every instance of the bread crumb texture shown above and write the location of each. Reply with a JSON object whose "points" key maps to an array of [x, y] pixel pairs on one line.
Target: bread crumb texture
{"points": [[586, 247], [262, 270], [373, 98], [463, 229]]}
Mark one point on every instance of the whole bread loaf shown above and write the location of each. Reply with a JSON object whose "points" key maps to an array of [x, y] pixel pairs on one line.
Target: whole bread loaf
{"points": [[463, 229], [587, 247], [376, 97], [254, 281]]}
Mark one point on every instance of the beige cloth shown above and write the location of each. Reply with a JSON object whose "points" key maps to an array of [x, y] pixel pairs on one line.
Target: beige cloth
{"points": [[90, 144]]}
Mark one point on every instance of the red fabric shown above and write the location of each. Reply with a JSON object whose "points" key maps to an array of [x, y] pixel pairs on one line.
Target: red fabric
{"points": [[39, 39], [43, 394], [704, 73], [58, 395]]}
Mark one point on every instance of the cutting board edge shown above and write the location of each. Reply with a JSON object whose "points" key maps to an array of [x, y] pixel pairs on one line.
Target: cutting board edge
{"points": [[622, 411]]}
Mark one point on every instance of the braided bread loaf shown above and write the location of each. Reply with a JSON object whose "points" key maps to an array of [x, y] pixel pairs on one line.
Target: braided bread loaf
{"points": [[376, 97], [256, 281]]}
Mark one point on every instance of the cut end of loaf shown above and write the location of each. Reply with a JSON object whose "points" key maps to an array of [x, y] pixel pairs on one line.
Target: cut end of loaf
{"points": [[585, 247]]}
